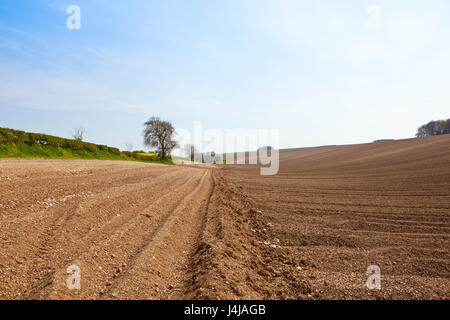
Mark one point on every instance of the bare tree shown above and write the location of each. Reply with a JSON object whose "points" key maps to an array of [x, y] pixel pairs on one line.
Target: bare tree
{"points": [[129, 146], [78, 133], [159, 134]]}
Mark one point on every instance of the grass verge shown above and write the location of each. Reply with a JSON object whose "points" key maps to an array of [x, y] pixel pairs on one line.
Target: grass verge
{"points": [[44, 151]]}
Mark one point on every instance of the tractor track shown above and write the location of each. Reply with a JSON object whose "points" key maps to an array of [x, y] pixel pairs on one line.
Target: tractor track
{"points": [[117, 219]]}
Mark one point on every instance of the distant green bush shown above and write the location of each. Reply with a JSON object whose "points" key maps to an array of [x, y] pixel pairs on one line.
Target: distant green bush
{"points": [[114, 151], [91, 147], [14, 136], [102, 147], [52, 141], [76, 145]]}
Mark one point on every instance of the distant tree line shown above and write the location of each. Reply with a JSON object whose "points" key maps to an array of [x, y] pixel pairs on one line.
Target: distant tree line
{"points": [[434, 128]]}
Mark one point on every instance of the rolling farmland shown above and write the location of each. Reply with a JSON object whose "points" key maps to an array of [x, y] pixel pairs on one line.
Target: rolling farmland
{"points": [[145, 231]]}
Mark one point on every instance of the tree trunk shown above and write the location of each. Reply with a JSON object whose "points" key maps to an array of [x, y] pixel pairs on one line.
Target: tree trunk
{"points": [[163, 153]]}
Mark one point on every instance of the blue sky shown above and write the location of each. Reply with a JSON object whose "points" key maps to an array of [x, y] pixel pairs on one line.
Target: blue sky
{"points": [[315, 70]]}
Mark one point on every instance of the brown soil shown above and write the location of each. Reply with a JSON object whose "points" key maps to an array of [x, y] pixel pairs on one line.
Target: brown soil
{"points": [[337, 210], [174, 232], [132, 228]]}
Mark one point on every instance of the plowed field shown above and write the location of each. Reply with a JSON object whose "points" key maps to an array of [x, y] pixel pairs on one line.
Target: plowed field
{"points": [[142, 231]]}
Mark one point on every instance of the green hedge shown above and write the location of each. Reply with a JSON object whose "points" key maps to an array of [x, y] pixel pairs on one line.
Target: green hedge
{"points": [[114, 151], [22, 138], [91, 147], [102, 147], [18, 137]]}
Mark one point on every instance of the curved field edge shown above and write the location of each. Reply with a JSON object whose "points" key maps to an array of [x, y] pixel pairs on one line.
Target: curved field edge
{"points": [[237, 256]]}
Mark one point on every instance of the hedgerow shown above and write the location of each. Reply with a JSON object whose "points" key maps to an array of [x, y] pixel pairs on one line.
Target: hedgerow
{"points": [[114, 151], [37, 141]]}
